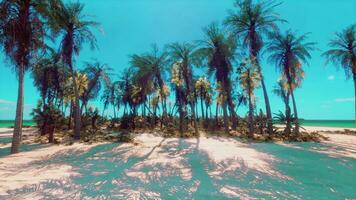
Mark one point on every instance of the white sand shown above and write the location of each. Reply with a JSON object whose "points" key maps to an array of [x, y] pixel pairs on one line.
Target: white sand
{"points": [[339, 145], [26, 168], [325, 129], [226, 156]]}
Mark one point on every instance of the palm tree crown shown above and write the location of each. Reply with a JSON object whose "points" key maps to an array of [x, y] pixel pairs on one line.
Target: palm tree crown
{"points": [[252, 21], [343, 50], [288, 51]]}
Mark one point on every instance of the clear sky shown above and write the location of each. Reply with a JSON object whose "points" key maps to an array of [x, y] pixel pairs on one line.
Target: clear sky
{"points": [[131, 26]]}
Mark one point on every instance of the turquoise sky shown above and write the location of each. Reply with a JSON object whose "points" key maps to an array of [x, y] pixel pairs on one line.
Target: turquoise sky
{"points": [[131, 26]]}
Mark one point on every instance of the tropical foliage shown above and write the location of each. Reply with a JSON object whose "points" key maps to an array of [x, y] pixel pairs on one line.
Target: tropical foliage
{"points": [[343, 53], [288, 52], [167, 85]]}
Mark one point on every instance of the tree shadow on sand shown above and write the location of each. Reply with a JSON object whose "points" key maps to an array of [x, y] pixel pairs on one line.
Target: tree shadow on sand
{"points": [[23, 148], [111, 182], [171, 169]]}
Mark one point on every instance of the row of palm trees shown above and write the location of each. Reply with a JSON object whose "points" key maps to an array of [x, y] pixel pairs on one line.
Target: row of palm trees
{"points": [[231, 52], [25, 26]]}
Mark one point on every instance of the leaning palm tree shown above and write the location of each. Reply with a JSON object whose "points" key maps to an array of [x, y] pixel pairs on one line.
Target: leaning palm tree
{"points": [[282, 90], [68, 21], [21, 35], [185, 54], [249, 79], [251, 22], [219, 51], [99, 76], [343, 53], [288, 51]]}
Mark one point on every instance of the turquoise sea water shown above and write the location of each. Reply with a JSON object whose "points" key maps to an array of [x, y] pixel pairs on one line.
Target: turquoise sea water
{"points": [[11, 123], [330, 123]]}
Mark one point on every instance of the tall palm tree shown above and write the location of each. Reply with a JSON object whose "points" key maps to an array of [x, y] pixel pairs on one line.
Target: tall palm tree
{"points": [[343, 53], [21, 35], [249, 79], [219, 51], [177, 80], [251, 22], [151, 68], [69, 21], [288, 51], [98, 75], [185, 54]]}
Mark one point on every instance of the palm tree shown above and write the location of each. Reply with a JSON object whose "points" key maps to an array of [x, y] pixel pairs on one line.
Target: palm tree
{"points": [[68, 20], [151, 69], [219, 51], [282, 90], [185, 54], [49, 77], [288, 51], [343, 53], [21, 35], [80, 85], [98, 75], [203, 90], [112, 96], [125, 85], [249, 79], [251, 22], [177, 80]]}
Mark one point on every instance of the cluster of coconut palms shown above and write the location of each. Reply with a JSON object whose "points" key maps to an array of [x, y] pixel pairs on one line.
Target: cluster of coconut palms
{"points": [[162, 85]]}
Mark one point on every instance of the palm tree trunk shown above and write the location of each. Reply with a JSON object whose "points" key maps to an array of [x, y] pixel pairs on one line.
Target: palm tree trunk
{"points": [[76, 108], [194, 120], [233, 114], [254, 56], [181, 119], [16, 138], [70, 115], [295, 113], [268, 107], [202, 108], [206, 111], [226, 120], [250, 116], [288, 128], [43, 127]]}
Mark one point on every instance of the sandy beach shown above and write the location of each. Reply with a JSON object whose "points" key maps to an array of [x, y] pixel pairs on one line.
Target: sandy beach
{"points": [[33, 167]]}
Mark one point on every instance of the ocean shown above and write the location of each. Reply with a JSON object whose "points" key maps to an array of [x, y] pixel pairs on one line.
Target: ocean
{"points": [[330, 123], [10, 123]]}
